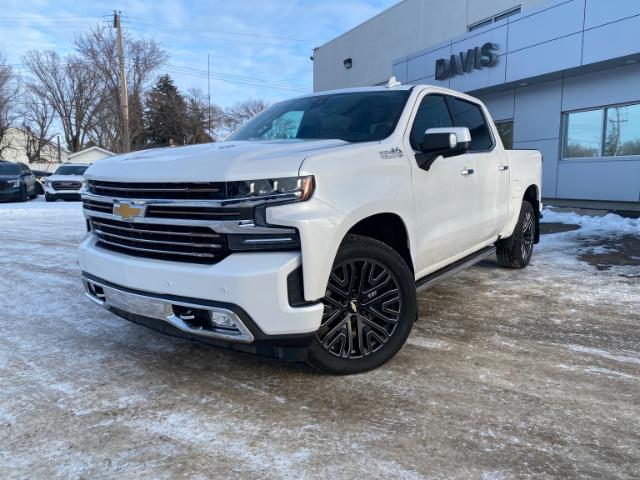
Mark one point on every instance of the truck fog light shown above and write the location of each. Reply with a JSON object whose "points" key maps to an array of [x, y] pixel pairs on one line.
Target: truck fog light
{"points": [[222, 320]]}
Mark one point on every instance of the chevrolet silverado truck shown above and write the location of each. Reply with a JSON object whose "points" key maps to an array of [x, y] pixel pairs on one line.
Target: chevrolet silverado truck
{"points": [[308, 232]]}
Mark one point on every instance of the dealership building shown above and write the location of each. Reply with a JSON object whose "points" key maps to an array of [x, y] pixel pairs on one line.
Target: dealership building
{"points": [[560, 76]]}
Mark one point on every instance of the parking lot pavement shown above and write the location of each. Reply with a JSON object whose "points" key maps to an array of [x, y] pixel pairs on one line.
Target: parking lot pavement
{"points": [[507, 374]]}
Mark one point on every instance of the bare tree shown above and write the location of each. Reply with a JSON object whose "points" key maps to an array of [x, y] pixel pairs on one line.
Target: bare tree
{"points": [[144, 56], [202, 123], [8, 94], [238, 114], [37, 117], [73, 90]]}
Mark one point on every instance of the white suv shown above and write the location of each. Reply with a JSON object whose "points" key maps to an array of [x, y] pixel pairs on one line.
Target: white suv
{"points": [[306, 234], [66, 183]]}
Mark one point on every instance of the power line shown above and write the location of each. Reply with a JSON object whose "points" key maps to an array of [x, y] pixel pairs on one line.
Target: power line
{"points": [[142, 21]]}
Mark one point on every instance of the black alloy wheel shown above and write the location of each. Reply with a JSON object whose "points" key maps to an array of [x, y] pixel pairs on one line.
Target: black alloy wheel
{"points": [[361, 309], [517, 250], [369, 308]]}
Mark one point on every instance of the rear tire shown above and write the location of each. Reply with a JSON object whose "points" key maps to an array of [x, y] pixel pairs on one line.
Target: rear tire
{"points": [[516, 251], [370, 308]]}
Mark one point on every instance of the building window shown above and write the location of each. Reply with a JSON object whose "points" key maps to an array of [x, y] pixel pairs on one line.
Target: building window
{"points": [[496, 18], [603, 132], [505, 130]]}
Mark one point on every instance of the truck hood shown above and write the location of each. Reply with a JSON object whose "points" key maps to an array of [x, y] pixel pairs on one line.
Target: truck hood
{"points": [[65, 178], [222, 161]]}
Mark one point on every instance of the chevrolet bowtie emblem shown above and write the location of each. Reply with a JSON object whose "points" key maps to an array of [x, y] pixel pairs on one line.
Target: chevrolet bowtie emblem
{"points": [[128, 211]]}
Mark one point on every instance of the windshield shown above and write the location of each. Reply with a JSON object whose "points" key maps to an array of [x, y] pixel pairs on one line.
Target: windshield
{"points": [[9, 169], [352, 117], [71, 170]]}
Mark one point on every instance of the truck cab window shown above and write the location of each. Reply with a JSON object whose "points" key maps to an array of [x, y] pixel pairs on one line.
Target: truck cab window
{"points": [[467, 114], [432, 113]]}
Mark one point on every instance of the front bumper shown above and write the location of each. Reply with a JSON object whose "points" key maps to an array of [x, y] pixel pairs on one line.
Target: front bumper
{"points": [[12, 194], [157, 312], [62, 194], [253, 286]]}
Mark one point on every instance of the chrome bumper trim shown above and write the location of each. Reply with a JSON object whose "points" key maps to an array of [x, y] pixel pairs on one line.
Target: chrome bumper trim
{"points": [[161, 309]]}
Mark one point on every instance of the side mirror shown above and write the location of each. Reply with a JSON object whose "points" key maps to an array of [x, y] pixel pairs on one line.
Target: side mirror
{"points": [[446, 142]]}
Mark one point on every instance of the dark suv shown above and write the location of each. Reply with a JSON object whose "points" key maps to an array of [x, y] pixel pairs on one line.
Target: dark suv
{"points": [[17, 182]]}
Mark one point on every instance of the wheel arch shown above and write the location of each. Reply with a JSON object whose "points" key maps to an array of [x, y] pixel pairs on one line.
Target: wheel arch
{"points": [[388, 228], [532, 195]]}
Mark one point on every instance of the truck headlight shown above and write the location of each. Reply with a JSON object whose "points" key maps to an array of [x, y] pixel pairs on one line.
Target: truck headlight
{"points": [[15, 183], [274, 189]]}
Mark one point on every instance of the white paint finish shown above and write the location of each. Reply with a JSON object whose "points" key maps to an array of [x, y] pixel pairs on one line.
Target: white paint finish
{"points": [[215, 161], [599, 12], [549, 151], [447, 215], [424, 65], [549, 57], [606, 87], [257, 283], [549, 24], [613, 40], [500, 104], [592, 180], [537, 111]]}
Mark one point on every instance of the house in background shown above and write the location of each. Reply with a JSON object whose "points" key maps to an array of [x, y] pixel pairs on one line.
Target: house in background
{"points": [[16, 144], [89, 155]]}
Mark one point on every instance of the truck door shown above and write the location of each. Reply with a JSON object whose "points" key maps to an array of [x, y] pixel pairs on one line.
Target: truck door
{"points": [[490, 205], [444, 194]]}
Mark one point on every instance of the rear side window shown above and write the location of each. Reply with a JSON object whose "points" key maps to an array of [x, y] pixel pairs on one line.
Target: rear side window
{"points": [[432, 113], [467, 114]]}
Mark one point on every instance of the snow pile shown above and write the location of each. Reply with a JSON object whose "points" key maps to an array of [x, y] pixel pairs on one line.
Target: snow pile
{"points": [[609, 224]]}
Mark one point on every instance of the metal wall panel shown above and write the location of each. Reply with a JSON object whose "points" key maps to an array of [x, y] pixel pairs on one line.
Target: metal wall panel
{"points": [[606, 87], [599, 12], [613, 40], [538, 112], [550, 24], [544, 58], [611, 180], [500, 104]]}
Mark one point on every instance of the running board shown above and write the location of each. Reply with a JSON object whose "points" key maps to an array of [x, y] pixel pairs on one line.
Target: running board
{"points": [[466, 262]]}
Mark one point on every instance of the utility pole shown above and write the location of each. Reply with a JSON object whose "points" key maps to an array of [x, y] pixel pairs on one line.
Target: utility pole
{"points": [[209, 90], [124, 98]]}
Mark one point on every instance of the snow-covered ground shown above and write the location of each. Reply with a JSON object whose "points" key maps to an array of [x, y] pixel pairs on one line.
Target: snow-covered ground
{"points": [[507, 374]]}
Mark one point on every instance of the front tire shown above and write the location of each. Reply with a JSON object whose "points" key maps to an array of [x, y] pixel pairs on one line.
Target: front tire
{"points": [[516, 251], [370, 308], [23, 194]]}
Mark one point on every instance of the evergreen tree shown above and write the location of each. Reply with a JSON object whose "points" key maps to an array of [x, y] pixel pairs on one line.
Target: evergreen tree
{"points": [[166, 114]]}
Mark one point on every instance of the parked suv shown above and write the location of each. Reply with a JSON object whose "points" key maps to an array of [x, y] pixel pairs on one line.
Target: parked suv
{"points": [[307, 233], [65, 183], [17, 183]]}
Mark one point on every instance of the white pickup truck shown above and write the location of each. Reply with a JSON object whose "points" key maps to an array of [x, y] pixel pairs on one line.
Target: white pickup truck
{"points": [[307, 233]]}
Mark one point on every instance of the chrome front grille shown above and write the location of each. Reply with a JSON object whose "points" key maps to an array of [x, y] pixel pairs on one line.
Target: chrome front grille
{"points": [[180, 212], [180, 243], [66, 185], [172, 221], [171, 191]]}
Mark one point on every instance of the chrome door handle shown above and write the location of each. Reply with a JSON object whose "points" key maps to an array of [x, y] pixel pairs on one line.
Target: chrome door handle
{"points": [[467, 171], [502, 168]]}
